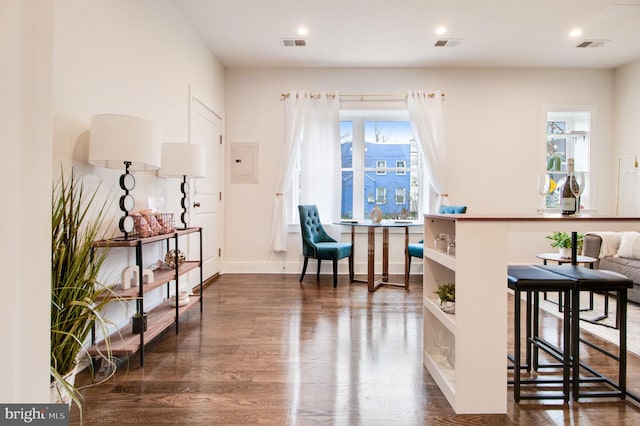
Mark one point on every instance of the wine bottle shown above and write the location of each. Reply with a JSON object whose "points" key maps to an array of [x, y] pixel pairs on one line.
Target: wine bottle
{"points": [[568, 200]]}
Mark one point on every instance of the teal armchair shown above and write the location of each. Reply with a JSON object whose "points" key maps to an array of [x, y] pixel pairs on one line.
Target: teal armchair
{"points": [[317, 244]]}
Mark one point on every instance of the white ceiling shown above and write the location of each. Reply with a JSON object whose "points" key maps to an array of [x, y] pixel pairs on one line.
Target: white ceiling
{"points": [[401, 33]]}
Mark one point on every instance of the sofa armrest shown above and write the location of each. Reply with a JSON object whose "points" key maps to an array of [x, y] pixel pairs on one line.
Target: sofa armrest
{"points": [[591, 245]]}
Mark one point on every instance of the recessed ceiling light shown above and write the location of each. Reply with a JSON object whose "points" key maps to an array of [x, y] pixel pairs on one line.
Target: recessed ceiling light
{"points": [[303, 31], [577, 32], [441, 30]]}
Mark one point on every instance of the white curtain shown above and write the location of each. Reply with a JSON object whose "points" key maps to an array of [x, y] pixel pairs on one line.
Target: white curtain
{"points": [[294, 106], [425, 113], [312, 133], [320, 179]]}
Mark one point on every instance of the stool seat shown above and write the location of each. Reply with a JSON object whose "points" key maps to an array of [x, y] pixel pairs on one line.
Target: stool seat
{"points": [[529, 277]]}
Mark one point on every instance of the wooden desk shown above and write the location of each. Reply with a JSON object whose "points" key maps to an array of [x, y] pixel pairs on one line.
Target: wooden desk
{"points": [[385, 225]]}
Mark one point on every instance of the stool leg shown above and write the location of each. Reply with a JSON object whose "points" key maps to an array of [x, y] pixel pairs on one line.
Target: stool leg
{"points": [[575, 342], [528, 336], [516, 348], [621, 319], [566, 362], [536, 328]]}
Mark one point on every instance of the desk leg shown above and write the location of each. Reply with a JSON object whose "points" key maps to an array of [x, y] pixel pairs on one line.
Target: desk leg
{"points": [[385, 255], [371, 257]]}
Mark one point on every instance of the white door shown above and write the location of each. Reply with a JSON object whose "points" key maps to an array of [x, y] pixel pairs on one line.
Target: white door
{"points": [[206, 129]]}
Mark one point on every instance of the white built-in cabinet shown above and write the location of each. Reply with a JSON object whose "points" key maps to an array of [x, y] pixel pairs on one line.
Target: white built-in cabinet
{"points": [[466, 352]]}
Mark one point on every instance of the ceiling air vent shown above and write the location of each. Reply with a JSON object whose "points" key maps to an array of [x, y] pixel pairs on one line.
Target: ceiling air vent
{"points": [[294, 42], [591, 43], [447, 42]]}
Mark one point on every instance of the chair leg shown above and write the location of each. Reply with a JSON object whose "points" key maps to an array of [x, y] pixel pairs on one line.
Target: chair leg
{"points": [[410, 263], [351, 268], [304, 268], [335, 273], [318, 273]]}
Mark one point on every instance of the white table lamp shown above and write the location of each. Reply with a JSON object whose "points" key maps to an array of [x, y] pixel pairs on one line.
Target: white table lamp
{"points": [[186, 161], [119, 141]]}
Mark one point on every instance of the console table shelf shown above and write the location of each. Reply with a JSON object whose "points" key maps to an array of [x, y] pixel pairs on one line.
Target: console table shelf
{"points": [[161, 317]]}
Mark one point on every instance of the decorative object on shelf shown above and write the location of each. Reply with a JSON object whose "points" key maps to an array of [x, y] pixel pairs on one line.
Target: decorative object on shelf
{"points": [[149, 223], [132, 142], [451, 247], [562, 240], [186, 161], [441, 242], [139, 323], [376, 214], [147, 276], [170, 258], [129, 277], [183, 298], [447, 295], [77, 296]]}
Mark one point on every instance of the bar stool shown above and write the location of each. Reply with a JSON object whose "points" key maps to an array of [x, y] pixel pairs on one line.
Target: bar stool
{"points": [[533, 281], [597, 280]]}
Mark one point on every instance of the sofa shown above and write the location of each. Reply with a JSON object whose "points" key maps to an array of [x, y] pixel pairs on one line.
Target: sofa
{"points": [[617, 252]]}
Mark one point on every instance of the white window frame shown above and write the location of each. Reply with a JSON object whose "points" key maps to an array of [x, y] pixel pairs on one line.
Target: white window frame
{"points": [[358, 117], [401, 168], [586, 163]]}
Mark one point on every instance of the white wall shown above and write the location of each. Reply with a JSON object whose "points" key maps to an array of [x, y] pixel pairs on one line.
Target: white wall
{"points": [[627, 133], [494, 129], [135, 58], [62, 62], [25, 168]]}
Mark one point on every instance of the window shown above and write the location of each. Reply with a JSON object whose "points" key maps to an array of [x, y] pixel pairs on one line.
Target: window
{"points": [[400, 166], [371, 141], [567, 136]]}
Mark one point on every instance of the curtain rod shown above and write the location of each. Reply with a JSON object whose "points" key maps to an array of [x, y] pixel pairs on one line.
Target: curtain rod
{"points": [[362, 97]]}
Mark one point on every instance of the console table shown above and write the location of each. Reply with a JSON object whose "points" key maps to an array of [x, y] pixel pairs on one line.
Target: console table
{"points": [[477, 382]]}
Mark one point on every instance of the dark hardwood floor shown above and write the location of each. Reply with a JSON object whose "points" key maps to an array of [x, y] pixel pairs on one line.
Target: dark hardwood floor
{"points": [[269, 350]]}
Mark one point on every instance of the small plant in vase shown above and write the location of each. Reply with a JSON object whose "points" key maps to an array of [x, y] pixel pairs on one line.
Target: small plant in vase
{"points": [[562, 240], [447, 295]]}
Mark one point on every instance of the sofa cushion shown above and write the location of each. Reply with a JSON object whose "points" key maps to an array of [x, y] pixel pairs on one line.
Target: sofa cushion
{"points": [[629, 246]]}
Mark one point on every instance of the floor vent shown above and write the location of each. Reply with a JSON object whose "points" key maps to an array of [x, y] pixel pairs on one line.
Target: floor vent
{"points": [[294, 42]]}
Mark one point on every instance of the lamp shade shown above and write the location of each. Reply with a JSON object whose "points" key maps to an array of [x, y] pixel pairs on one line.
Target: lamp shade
{"points": [[182, 159], [119, 138]]}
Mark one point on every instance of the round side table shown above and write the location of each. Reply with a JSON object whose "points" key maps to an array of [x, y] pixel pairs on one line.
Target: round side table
{"points": [[587, 261]]}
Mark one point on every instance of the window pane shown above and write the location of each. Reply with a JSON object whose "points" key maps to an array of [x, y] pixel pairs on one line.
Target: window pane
{"points": [[346, 136], [347, 195]]}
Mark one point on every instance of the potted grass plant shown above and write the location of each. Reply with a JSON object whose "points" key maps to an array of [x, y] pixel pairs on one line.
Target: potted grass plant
{"points": [[77, 298]]}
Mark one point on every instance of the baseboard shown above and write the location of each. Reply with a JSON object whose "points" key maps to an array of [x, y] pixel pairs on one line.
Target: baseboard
{"points": [[360, 268]]}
